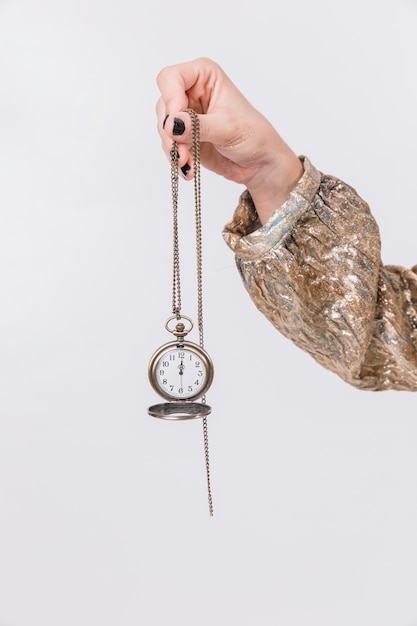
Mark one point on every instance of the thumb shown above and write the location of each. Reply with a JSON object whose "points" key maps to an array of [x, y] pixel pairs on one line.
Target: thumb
{"points": [[219, 129]]}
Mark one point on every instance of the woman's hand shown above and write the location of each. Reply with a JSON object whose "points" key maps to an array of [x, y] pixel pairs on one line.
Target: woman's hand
{"points": [[237, 141]]}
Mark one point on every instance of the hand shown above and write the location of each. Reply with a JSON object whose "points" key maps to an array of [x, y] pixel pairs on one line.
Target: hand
{"points": [[237, 141]]}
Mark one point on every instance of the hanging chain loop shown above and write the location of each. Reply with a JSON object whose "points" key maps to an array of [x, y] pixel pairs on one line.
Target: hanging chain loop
{"points": [[176, 281]]}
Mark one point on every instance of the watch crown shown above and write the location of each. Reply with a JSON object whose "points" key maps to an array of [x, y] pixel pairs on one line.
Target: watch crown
{"points": [[180, 330]]}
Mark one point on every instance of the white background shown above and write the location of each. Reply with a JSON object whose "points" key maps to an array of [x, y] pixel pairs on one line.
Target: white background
{"points": [[103, 509]]}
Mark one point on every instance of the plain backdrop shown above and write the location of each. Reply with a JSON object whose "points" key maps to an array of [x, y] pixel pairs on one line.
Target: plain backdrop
{"points": [[103, 509]]}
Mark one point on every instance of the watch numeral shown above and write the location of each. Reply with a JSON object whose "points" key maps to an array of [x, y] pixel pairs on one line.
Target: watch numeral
{"points": [[165, 363]]}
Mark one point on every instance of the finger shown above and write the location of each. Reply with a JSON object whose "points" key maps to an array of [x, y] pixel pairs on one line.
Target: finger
{"points": [[184, 154], [220, 134], [176, 80], [222, 129]]}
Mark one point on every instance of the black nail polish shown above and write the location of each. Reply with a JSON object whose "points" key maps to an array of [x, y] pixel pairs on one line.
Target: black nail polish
{"points": [[164, 122], [178, 127], [185, 169]]}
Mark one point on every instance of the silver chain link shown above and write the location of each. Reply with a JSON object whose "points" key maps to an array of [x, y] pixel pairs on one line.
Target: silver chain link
{"points": [[176, 281]]}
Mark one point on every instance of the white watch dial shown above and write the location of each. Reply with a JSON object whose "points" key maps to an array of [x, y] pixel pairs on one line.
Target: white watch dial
{"points": [[181, 373]]}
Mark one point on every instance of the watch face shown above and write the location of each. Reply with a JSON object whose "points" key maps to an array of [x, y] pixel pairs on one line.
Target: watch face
{"points": [[180, 372]]}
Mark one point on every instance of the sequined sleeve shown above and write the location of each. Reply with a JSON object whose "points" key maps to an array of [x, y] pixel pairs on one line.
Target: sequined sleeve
{"points": [[315, 271]]}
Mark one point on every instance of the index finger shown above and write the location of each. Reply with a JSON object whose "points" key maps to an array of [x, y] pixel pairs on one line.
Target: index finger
{"points": [[175, 83]]}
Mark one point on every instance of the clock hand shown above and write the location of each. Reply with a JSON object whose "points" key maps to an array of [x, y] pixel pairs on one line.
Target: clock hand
{"points": [[181, 372]]}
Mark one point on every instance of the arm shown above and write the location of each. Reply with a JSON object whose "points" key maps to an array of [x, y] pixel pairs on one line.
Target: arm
{"points": [[307, 247], [314, 271]]}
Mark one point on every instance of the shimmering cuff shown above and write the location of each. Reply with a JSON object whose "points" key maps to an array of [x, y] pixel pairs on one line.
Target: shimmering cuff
{"points": [[249, 239]]}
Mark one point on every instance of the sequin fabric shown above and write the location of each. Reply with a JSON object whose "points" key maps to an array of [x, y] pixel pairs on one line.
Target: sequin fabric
{"points": [[315, 271]]}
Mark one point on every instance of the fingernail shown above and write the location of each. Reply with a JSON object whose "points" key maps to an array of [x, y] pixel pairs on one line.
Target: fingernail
{"points": [[163, 123], [185, 169], [178, 127]]}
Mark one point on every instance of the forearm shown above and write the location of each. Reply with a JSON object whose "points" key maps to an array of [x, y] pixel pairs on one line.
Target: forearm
{"points": [[277, 172], [314, 270]]}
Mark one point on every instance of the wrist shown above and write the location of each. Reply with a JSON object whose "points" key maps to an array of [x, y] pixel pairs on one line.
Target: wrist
{"points": [[273, 183]]}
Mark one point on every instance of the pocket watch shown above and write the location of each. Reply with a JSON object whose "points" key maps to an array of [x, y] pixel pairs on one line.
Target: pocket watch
{"points": [[181, 372]]}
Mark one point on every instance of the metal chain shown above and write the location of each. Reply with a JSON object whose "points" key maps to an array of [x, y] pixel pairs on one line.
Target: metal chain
{"points": [[198, 224], [199, 256], [176, 283]]}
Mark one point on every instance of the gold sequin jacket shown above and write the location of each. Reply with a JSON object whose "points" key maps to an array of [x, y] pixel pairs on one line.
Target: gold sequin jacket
{"points": [[315, 271]]}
